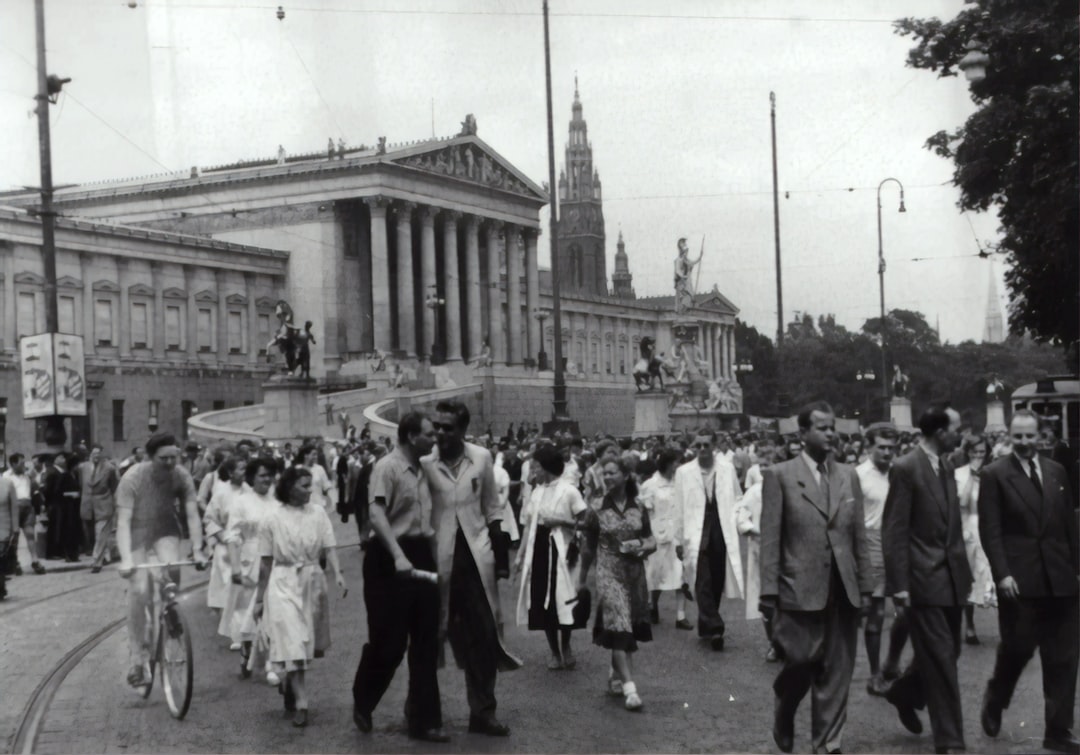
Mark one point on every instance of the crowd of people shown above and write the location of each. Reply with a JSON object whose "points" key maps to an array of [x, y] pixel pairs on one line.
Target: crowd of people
{"points": [[814, 531]]}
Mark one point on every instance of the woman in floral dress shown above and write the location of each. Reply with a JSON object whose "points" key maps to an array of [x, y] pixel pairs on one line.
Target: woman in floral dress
{"points": [[551, 516], [242, 539], [619, 538], [292, 539]]}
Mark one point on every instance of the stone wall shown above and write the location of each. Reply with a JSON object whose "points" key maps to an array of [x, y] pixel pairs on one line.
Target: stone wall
{"points": [[597, 407]]}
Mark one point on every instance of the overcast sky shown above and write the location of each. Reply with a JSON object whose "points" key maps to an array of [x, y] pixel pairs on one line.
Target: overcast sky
{"points": [[677, 104]]}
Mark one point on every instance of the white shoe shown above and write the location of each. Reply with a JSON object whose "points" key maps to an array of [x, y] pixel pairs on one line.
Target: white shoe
{"points": [[272, 679], [633, 701], [235, 646]]}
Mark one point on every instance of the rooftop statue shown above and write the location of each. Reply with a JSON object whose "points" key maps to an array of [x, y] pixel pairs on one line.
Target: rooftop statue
{"points": [[684, 268]]}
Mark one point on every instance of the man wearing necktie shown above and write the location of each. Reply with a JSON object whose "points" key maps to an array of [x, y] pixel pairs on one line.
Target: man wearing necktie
{"points": [[928, 577], [1028, 530], [815, 578]]}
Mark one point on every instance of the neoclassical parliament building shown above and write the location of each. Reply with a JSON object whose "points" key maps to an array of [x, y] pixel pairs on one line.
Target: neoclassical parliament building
{"points": [[425, 251]]}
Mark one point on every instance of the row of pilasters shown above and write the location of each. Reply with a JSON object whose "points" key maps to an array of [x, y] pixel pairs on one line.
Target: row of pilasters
{"points": [[474, 309]]}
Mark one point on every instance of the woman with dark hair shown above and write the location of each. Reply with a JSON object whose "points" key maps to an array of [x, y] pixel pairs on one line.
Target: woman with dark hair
{"points": [[293, 538], [320, 481], [230, 475], [618, 537], [664, 569], [241, 537], [983, 593], [551, 516]]}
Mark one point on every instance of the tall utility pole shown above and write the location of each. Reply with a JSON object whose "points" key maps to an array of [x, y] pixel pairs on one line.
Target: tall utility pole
{"points": [[776, 226], [560, 418], [55, 434]]}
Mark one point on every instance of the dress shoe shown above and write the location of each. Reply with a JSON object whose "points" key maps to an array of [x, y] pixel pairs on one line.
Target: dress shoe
{"points": [[300, 719], [909, 718], [489, 726], [991, 715], [18, 570], [877, 686], [37, 567], [430, 735], [362, 720], [95, 569], [717, 643], [1063, 743], [783, 731], [683, 624]]}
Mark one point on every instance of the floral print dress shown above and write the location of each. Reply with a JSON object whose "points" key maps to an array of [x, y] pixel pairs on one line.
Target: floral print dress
{"points": [[622, 600]]}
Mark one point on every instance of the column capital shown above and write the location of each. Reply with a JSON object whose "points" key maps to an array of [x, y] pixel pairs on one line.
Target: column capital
{"points": [[377, 204], [493, 225], [404, 208], [472, 223], [453, 215], [530, 233], [427, 213]]}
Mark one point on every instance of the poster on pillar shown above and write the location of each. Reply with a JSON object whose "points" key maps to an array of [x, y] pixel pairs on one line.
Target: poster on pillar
{"points": [[53, 375], [70, 375]]}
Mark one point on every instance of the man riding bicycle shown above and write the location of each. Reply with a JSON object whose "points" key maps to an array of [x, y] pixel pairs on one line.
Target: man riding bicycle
{"points": [[148, 524]]}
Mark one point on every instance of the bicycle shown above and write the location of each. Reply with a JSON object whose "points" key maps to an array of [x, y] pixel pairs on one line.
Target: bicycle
{"points": [[170, 641]]}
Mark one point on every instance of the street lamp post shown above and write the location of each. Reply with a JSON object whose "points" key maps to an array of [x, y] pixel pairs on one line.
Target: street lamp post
{"points": [[541, 315], [881, 288]]}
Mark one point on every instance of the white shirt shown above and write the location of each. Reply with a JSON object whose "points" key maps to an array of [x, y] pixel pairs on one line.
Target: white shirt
{"points": [[875, 489], [753, 476], [809, 461], [21, 482]]}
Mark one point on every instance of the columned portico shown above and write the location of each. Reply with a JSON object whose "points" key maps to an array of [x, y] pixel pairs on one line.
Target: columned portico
{"points": [[473, 287], [495, 326], [452, 286], [513, 295], [427, 278], [380, 274], [406, 301], [532, 294]]}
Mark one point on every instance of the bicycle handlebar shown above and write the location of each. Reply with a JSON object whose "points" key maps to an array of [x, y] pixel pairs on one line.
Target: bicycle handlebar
{"points": [[166, 566]]}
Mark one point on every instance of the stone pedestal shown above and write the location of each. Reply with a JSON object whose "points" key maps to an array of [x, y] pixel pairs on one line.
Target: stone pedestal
{"points": [[290, 409], [900, 414], [995, 417], [651, 414]]}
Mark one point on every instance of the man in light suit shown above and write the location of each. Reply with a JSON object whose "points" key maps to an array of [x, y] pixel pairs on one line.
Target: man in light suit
{"points": [[708, 521], [816, 578], [927, 574], [1029, 534]]}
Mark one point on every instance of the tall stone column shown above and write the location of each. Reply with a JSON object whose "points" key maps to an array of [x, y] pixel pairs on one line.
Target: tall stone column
{"points": [[473, 287], [513, 295], [532, 294], [406, 303], [250, 293], [124, 315], [381, 315], [427, 279], [192, 314], [86, 275], [451, 286], [158, 327], [222, 324], [495, 324], [731, 350], [721, 351], [7, 255]]}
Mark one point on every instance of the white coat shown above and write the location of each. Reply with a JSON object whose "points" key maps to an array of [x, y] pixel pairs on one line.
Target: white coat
{"points": [[689, 511]]}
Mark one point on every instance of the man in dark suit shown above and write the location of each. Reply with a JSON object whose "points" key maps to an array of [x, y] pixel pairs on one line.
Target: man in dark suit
{"points": [[815, 579], [1029, 533], [927, 574]]}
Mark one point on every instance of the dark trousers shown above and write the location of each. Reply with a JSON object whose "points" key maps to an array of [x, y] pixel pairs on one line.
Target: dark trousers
{"points": [[472, 632], [818, 648], [931, 680], [401, 612], [711, 571], [65, 531], [1051, 625]]}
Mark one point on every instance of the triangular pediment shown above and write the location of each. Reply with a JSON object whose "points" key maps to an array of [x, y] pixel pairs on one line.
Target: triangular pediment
{"points": [[716, 302], [140, 289], [468, 159], [67, 281], [236, 299], [265, 302], [206, 296], [106, 285], [29, 279], [174, 293]]}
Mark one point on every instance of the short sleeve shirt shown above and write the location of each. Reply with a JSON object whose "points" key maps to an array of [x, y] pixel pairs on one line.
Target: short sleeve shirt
{"points": [[155, 500], [398, 484], [875, 489]]}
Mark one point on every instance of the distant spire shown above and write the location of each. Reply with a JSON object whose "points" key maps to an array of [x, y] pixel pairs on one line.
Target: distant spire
{"points": [[994, 326], [575, 87]]}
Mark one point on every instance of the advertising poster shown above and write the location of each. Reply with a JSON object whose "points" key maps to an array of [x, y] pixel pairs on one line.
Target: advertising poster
{"points": [[70, 375], [38, 387]]}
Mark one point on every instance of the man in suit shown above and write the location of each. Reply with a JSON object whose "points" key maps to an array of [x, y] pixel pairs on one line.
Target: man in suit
{"points": [[1029, 534], [99, 479], [816, 577], [708, 522], [927, 574]]}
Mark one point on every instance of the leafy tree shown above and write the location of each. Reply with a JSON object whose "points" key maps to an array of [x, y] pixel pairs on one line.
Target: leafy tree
{"points": [[1018, 151]]}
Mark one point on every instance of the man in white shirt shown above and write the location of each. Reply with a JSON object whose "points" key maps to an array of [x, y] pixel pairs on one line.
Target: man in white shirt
{"points": [[874, 481], [20, 479]]}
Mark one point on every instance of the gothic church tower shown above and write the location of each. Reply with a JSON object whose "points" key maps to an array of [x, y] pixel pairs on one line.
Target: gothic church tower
{"points": [[581, 240]]}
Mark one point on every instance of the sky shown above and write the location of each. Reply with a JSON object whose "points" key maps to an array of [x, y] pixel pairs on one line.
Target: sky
{"points": [[676, 100]]}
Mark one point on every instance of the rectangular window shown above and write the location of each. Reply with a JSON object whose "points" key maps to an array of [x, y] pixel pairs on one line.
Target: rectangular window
{"points": [[103, 322], [140, 335], [174, 334], [236, 332], [117, 419], [206, 330], [26, 314], [264, 333], [65, 312]]}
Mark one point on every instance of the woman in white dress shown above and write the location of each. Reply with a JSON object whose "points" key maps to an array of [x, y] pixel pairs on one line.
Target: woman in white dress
{"points": [[983, 592], [663, 569], [320, 481], [230, 485], [548, 580], [242, 539], [293, 538]]}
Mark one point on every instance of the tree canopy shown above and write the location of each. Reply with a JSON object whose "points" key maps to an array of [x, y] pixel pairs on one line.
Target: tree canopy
{"points": [[1018, 151]]}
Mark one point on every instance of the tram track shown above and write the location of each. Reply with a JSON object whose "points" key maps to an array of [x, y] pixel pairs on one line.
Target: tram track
{"points": [[37, 705]]}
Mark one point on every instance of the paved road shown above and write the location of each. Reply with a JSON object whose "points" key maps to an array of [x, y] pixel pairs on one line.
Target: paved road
{"points": [[695, 700]]}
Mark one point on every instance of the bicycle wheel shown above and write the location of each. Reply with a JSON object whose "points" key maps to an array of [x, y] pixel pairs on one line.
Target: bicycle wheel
{"points": [[155, 653], [176, 660]]}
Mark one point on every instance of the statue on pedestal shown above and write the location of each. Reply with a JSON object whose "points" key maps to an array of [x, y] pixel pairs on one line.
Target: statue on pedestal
{"points": [[288, 338], [684, 286], [484, 359], [647, 369], [900, 383], [995, 389]]}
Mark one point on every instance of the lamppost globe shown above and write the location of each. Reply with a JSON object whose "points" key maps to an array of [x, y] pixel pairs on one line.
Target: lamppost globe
{"points": [[974, 63]]}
